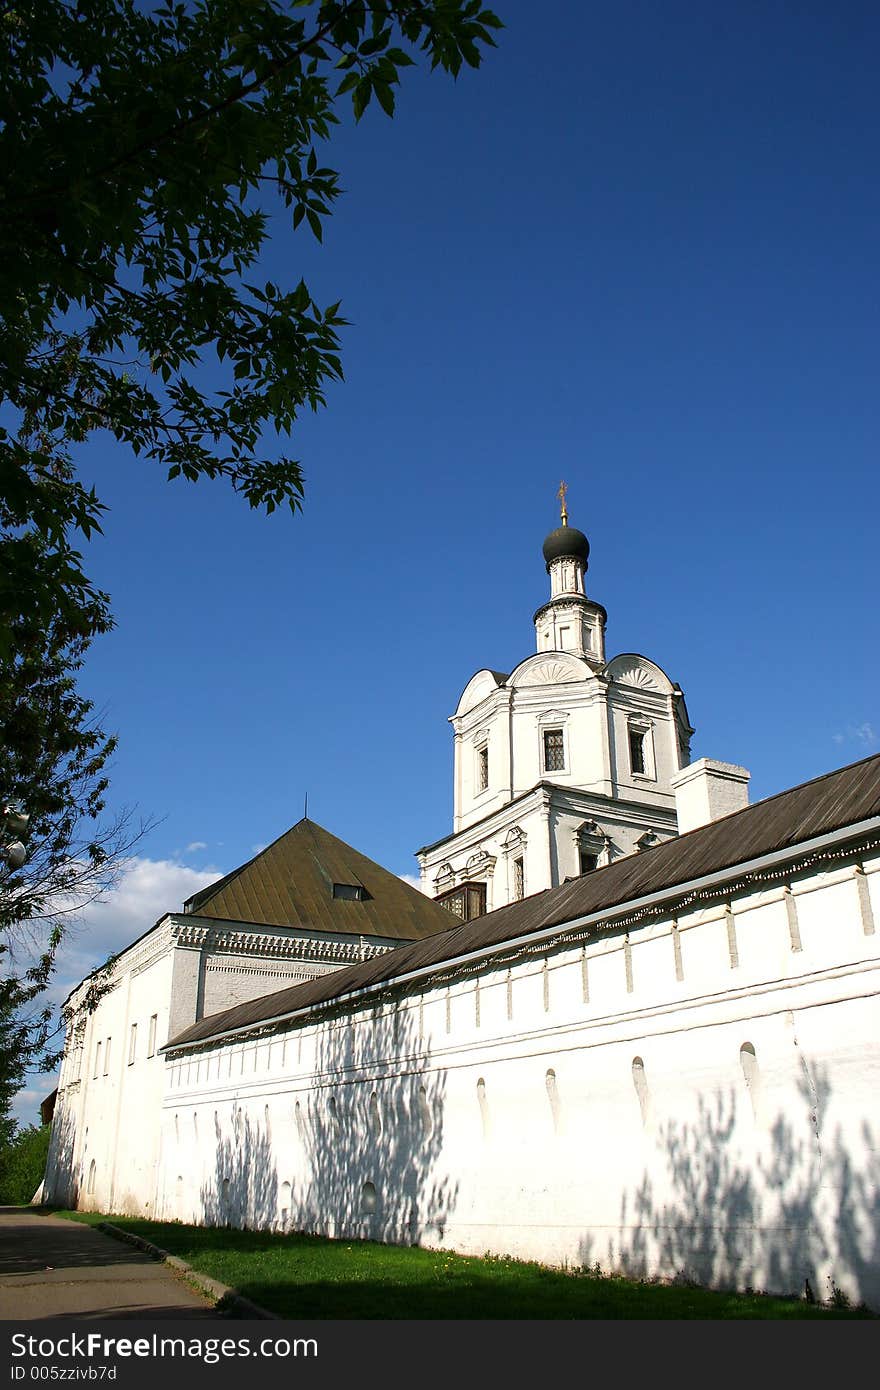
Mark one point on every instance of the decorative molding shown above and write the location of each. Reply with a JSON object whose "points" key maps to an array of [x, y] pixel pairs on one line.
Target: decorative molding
{"points": [[552, 673], [263, 944], [634, 674], [480, 863]]}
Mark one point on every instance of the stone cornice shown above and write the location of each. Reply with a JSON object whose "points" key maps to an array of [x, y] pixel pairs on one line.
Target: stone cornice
{"points": [[197, 936], [573, 799]]}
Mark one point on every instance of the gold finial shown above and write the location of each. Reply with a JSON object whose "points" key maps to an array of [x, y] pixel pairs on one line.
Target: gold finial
{"points": [[563, 510]]}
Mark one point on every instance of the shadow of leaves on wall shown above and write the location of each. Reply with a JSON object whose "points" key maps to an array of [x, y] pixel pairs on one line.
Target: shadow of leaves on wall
{"points": [[63, 1181], [795, 1206], [351, 1153]]}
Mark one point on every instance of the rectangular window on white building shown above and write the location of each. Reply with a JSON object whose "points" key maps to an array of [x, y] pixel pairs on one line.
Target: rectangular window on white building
{"points": [[554, 750], [519, 881], [107, 1057], [482, 768], [637, 750], [132, 1043], [98, 1060], [151, 1039]]}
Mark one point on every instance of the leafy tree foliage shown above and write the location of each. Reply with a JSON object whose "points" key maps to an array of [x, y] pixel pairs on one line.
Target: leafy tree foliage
{"points": [[142, 147], [23, 1163], [53, 761]]}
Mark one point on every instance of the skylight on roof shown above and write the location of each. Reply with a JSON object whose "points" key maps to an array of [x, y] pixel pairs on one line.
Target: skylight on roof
{"points": [[352, 892]]}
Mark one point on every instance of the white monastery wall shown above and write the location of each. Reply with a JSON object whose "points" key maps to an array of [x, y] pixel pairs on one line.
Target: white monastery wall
{"points": [[689, 1097], [105, 1139]]}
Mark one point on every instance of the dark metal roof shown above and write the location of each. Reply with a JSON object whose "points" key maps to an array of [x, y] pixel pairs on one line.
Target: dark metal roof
{"points": [[566, 540], [845, 797], [290, 884]]}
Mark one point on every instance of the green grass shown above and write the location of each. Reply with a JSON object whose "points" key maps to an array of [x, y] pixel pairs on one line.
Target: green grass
{"points": [[309, 1277]]}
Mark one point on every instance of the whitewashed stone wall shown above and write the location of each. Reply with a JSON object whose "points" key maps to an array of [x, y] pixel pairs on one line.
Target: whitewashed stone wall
{"points": [[106, 1135], [694, 1096]]}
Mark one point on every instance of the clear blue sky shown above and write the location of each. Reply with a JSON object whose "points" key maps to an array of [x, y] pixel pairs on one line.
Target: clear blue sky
{"points": [[637, 250]]}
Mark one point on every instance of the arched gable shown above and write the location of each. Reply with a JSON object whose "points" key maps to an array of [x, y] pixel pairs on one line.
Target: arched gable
{"points": [[550, 668], [478, 687], [630, 668]]}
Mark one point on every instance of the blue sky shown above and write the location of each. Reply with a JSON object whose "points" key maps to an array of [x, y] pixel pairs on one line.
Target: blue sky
{"points": [[637, 250]]}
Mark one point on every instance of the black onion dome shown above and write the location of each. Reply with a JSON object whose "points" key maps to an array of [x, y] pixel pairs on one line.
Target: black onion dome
{"points": [[566, 541]]}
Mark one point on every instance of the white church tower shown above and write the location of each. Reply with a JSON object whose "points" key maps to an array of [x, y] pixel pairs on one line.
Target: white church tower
{"points": [[565, 764]]}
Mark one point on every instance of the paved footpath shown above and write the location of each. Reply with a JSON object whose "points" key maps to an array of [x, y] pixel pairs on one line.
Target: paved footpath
{"points": [[51, 1268]]}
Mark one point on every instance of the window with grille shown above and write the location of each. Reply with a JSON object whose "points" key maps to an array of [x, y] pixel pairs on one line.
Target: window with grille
{"points": [[554, 751], [482, 768], [519, 881]]}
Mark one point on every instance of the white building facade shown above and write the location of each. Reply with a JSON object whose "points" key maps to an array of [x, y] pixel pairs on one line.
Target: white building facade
{"points": [[659, 1053], [564, 765], [667, 1068]]}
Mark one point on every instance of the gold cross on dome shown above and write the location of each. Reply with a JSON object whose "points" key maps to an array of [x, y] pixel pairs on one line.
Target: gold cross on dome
{"points": [[563, 510]]}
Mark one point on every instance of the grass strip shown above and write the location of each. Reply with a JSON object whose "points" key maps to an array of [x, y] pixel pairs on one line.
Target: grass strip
{"points": [[300, 1276]]}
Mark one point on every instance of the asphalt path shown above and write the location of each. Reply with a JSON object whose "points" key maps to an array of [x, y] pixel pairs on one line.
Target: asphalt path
{"points": [[51, 1268]]}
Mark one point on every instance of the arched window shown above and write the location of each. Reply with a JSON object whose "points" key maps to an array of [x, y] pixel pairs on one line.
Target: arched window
{"points": [[369, 1199], [90, 1185], [284, 1206], [425, 1117], [752, 1077], [483, 1103], [375, 1115], [299, 1119], [641, 1085], [553, 1097]]}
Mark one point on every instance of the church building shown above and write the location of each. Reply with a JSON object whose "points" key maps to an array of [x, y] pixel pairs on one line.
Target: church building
{"points": [[632, 1021], [569, 762]]}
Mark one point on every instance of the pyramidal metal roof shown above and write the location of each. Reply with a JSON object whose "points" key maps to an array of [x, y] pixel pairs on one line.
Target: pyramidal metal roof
{"points": [[291, 884], [847, 797]]}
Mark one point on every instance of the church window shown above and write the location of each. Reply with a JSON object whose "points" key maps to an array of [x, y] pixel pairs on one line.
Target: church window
{"points": [[554, 750], [518, 880], [151, 1040], [132, 1044], [98, 1060], [589, 862], [483, 768], [369, 1200], [107, 1058], [90, 1186], [637, 750]]}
